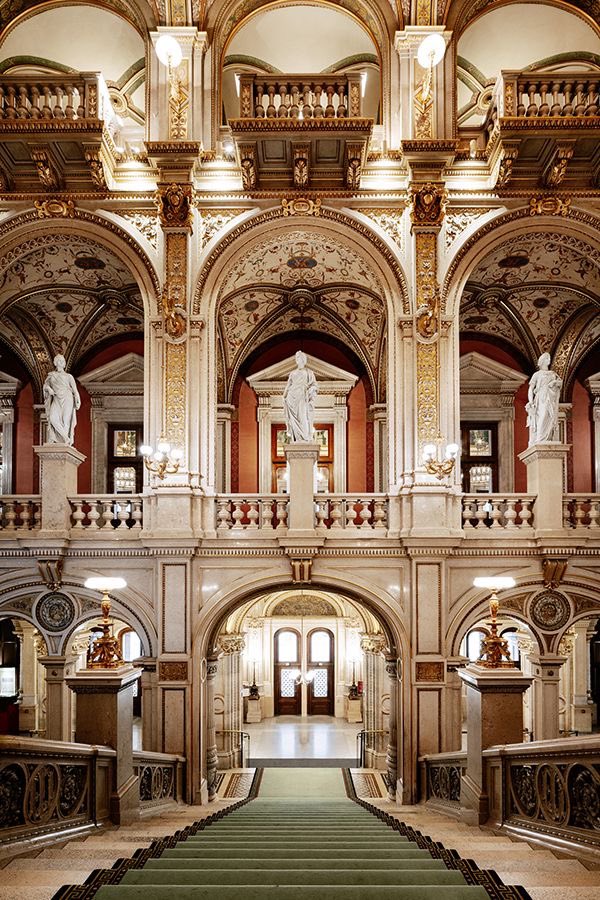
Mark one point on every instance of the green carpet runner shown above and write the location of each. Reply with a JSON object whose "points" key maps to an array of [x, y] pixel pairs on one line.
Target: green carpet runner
{"points": [[302, 838]]}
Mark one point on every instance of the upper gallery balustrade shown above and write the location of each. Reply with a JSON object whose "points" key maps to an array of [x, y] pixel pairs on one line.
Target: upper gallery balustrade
{"points": [[302, 131], [73, 116], [541, 129]]}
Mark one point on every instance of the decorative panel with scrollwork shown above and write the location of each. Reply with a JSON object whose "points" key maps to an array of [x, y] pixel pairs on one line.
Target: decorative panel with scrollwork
{"points": [[157, 784], [443, 781], [557, 796], [42, 795]]}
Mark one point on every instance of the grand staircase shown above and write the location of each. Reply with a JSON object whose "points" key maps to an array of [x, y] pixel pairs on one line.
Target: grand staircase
{"points": [[299, 846]]}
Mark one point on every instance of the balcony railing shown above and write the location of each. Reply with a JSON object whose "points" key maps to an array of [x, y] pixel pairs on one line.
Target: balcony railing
{"points": [[337, 514], [364, 513], [300, 96], [251, 514], [544, 95], [507, 511], [581, 511], [160, 778], [44, 98], [92, 513], [20, 512], [441, 778]]}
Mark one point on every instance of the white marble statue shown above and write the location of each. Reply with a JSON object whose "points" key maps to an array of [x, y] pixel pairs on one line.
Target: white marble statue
{"points": [[299, 401], [542, 406], [61, 399]]}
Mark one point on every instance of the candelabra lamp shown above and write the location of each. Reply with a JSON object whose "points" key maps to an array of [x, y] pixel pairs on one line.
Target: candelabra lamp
{"points": [[165, 460], [254, 693], [431, 51], [170, 55], [353, 692], [105, 652], [436, 466], [494, 653]]}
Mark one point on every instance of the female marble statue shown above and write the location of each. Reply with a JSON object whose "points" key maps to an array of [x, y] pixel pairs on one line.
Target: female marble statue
{"points": [[61, 399], [299, 401], [542, 408]]}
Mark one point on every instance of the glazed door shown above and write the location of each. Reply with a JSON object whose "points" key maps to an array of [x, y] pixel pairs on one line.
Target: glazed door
{"points": [[320, 670], [288, 693]]}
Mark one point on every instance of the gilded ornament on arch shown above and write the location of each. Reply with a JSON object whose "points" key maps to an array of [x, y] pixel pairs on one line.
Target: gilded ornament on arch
{"points": [[301, 206], [427, 391], [144, 222], [428, 203], [458, 220], [47, 171], [94, 161], [175, 392], [550, 610], [389, 220], [55, 209], [215, 220], [174, 202], [506, 166], [549, 206]]}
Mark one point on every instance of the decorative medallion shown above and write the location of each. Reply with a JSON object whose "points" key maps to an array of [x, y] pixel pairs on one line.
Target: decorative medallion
{"points": [[55, 611], [550, 610], [48, 209], [301, 206]]}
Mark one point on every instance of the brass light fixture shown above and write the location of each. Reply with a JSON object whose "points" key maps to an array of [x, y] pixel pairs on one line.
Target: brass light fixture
{"points": [[170, 55], [436, 466], [494, 653], [105, 652], [430, 52], [165, 460]]}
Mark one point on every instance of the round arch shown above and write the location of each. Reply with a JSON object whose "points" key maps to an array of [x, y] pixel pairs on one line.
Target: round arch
{"points": [[375, 16], [457, 15], [475, 607], [222, 604], [143, 15], [337, 226]]}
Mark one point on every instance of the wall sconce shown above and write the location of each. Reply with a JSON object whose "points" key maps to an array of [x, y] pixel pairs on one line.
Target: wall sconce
{"points": [[169, 53], [105, 652], [440, 467], [430, 52], [165, 460], [494, 647]]}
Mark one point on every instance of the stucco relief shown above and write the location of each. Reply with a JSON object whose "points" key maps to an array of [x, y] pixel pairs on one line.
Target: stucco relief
{"points": [[484, 315], [300, 258]]}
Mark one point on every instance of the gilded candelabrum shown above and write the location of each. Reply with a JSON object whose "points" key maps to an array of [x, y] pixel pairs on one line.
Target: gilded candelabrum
{"points": [[105, 652], [165, 460], [439, 467], [494, 653]]}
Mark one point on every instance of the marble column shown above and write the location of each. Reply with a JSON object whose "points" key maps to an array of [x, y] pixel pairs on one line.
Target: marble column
{"points": [[58, 696], [149, 689], [494, 716], [28, 707], [212, 760], [452, 735], [582, 708], [105, 716], [546, 695], [372, 646], [232, 646], [391, 669]]}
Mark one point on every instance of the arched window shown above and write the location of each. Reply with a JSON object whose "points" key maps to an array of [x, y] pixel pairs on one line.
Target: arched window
{"points": [[287, 646], [319, 646]]}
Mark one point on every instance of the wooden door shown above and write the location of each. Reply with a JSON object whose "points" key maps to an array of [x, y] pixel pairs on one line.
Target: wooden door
{"points": [[320, 666], [288, 692]]}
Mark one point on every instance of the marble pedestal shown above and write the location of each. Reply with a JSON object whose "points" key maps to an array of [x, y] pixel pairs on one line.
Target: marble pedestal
{"points": [[254, 711], [104, 715], [301, 457], [58, 482], [354, 711], [545, 475], [494, 716]]}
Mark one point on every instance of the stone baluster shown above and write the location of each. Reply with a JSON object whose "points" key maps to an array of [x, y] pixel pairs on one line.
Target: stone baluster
{"points": [[11, 105], [321, 514], [510, 512], [271, 111], [521, 109], [70, 109], [94, 513], [23, 105], [555, 109], [253, 514], [35, 111], [329, 109], [46, 108], [335, 513], [568, 105], [342, 109], [467, 513], [579, 109], [212, 759], [379, 515], [532, 107], [81, 101], [223, 515], [78, 513], [25, 514], [594, 514], [566, 506], [294, 108], [238, 515], [58, 111], [307, 108], [391, 668], [496, 513], [580, 513], [592, 98], [318, 109], [365, 514], [350, 513], [107, 513], [10, 515], [481, 512], [137, 514], [37, 515], [284, 102], [259, 110], [544, 105], [282, 514], [124, 509], [267, 515], [526, 513]]}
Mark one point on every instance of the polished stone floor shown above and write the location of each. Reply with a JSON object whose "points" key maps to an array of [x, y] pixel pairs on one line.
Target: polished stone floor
{"points": [[309, 738]]}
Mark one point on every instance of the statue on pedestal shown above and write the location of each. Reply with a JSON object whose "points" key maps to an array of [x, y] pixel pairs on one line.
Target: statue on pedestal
{"points": [[299, 401], [61, 399], [542, 408]]}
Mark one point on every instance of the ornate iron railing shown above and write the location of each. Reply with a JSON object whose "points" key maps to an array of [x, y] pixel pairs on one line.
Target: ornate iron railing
{"points": [[553, 787], [160, 778], [48, 786], [441, 778]]}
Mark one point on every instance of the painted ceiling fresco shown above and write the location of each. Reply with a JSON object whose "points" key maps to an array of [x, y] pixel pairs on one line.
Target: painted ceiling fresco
{"points": [[65, 296], [539, 294], [301, 281]]}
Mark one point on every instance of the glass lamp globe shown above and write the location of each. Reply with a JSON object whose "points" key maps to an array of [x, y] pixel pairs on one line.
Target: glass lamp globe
{"points": [[168, 51], [431, 50]]}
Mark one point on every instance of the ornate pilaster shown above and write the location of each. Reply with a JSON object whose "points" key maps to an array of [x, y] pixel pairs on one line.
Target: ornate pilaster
{"points": [[546, 695], [391, 670], [373, 646], [212, 759], [423, 90], [231, 646]]}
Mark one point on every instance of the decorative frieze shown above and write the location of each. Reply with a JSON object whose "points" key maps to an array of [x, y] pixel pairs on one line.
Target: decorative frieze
{"points": [[173, 670]]}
